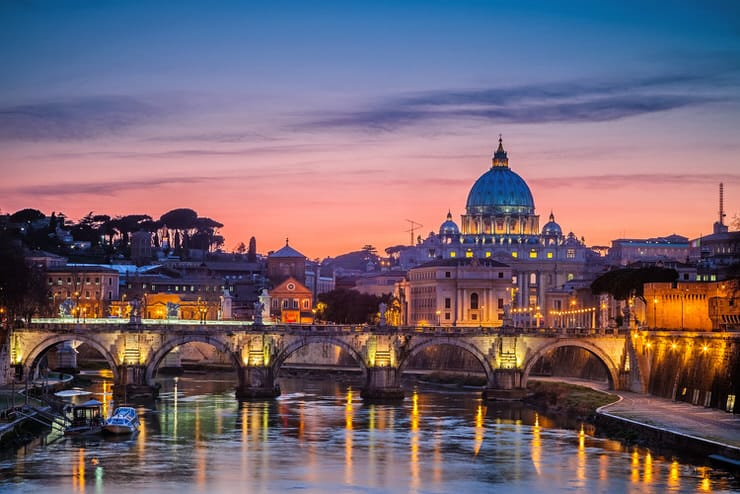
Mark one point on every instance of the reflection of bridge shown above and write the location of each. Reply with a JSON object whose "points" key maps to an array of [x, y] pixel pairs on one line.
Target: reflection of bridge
{"points": [[135, 351]]}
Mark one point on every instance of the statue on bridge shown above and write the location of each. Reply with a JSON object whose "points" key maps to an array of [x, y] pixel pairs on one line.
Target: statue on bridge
{"points": [[135, 314], [258, 308], [66, 308], [382, 308]]}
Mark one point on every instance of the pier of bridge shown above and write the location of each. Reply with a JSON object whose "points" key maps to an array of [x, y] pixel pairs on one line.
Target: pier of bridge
{"points": [[134, 352]]}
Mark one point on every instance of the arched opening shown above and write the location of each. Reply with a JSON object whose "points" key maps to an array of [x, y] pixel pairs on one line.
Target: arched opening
{"points": [[448, 363], [193, 365], [67, 369], [304, 367], [571, 362]]}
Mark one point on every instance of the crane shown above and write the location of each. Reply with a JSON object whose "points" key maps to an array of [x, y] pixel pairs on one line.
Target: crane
{"points": [[414, 226]]}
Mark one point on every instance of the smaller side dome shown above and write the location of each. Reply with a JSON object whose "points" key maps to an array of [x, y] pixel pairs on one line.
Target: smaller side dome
{"points": [[552, 229], [449, 227]]}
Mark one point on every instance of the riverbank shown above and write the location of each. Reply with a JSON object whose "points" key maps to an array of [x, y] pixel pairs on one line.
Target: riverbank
{"points": [[649, 421], [567, 399]]}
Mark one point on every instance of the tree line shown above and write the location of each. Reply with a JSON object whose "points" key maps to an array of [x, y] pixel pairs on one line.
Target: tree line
{"points": [[176, 231]]}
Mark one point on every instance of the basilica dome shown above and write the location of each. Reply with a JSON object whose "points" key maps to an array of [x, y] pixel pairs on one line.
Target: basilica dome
{"points": [[551, 228], [500, 190], [449, 227]]}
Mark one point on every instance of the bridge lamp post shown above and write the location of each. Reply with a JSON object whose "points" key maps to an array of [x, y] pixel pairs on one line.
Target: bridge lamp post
{"points": [[77, 305]]}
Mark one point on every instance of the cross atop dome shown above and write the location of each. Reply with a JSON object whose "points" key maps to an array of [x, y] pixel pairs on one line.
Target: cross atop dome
{"points": [[499, 157]]}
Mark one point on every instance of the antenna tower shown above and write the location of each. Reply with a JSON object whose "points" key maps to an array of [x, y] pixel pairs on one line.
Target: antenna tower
{"points": [[414, 226], [721, 203]]}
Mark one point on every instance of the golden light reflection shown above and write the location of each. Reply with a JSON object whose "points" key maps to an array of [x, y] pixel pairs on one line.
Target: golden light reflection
{"points": [[78, 472], [414, 464], [603, 467], [479, 429], [348, 415], [648, 475], [673, 477], [635, 470], [536, 444], [245, 443], [705, 485], [581, 469]]}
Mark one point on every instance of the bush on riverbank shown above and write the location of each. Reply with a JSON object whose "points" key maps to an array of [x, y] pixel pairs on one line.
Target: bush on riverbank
{"points": [[564, 398], [454, 379]]}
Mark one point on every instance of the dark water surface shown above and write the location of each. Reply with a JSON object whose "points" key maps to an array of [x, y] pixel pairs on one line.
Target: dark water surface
{"points": [[319, 437]]}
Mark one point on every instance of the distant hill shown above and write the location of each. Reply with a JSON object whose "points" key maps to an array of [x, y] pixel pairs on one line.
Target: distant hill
{"points": [[360, 260]]}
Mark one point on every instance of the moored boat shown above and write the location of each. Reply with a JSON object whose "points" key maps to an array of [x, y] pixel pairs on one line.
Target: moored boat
{"points": [[86, 419], [123, 421]]}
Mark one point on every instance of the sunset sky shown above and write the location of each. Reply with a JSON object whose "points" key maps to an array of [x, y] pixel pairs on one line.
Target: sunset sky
{"points": [[333, 123]]}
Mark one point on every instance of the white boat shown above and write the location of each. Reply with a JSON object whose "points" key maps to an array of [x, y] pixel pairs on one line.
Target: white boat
{"points": [[123, 421]]}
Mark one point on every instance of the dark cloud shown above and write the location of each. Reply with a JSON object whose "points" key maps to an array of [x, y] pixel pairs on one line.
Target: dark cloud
{"points": [[75, 119], [583, 101]]}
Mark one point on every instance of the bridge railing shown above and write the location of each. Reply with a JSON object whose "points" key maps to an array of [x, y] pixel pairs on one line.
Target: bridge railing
{"points": [[102, 324]]}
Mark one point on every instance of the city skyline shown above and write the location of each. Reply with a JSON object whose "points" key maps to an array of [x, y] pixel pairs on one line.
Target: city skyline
{"points": [[334, 124]]}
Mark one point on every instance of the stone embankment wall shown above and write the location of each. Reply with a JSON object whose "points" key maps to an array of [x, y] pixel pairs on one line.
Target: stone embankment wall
{"points": [[695, 368]]}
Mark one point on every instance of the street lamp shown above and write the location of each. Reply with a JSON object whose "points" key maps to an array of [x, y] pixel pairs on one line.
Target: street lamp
{"points": [[439, 321], [77, 305], [655, 312]]}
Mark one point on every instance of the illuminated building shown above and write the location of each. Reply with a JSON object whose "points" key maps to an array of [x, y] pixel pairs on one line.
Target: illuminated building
{"points": [[291, 302], [625, 251], [500, 224], [459, 292], [713, 306], [82, 291]]}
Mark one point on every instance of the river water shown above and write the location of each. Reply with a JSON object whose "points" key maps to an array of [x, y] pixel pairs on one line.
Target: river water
{"points": [[319, 437]]}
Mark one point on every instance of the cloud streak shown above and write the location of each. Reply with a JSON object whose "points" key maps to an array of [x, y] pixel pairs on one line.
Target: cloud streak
{"points": [[578, 101], [75, 119]]}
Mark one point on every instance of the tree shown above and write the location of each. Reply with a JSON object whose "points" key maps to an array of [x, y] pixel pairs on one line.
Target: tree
{"points": [[252, 252], [22, 289], [26, 216], [626, 282], [345, 306]]}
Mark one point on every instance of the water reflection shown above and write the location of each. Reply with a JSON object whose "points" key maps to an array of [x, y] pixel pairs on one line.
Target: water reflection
{"points": [[320, 437]]}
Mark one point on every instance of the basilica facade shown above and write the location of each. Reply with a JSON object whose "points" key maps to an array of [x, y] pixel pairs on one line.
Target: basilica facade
{"points": [[500, 227]]}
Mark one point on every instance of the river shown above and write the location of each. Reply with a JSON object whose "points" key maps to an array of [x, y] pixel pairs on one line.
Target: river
{"points": [[320, 437]]}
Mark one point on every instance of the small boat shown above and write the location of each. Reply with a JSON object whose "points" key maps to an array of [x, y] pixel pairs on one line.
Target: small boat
{"points": [[86, 419], [123, 421]]}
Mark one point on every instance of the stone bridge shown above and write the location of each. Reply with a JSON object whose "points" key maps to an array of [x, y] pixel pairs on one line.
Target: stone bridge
{"points": [[135, 351]]}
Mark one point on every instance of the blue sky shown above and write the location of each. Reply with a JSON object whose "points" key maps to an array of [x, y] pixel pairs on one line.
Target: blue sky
{"points": [[333, 122]]}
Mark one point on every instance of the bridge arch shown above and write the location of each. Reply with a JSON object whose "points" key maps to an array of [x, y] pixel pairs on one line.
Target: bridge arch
{"points": [[156, 358], [419, 346], [611, 367], [300, 343], [31, 362]]}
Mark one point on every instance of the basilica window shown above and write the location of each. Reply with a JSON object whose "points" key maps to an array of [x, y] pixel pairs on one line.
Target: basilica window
{"points": [[532, 254], [549, 255], [571, 254], [514, 254], [473, 300]]}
